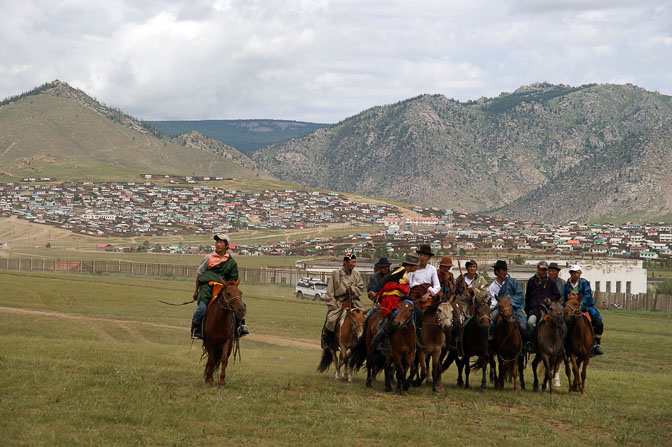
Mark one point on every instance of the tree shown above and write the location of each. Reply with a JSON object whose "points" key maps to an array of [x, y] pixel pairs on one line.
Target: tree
{"points": [[518, 260], [48, 245], [665, 287]]}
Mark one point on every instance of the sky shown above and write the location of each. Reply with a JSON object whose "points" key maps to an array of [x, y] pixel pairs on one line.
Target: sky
{"points": [[325, 60]]}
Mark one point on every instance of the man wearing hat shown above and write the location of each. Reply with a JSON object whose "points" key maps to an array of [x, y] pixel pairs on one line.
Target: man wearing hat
{"points": [[423, 284], [581, 288], [394, 286], [219, 266], [554, 275], [539, 287], [446, 279], [382, 268], [343, 283], [504, 285], [469, 287]]}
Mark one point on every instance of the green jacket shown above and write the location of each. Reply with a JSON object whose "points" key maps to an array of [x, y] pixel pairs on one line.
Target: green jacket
{"points": [[226, 271]]}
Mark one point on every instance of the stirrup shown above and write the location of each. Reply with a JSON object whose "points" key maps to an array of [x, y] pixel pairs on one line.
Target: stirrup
{"points": [[196, 335]]}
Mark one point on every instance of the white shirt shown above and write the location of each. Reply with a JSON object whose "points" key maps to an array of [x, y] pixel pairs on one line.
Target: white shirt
{"points": [[493, 293], [427, 275]]}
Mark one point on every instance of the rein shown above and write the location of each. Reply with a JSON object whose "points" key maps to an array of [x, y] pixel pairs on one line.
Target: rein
{"points": [[507, 337]]}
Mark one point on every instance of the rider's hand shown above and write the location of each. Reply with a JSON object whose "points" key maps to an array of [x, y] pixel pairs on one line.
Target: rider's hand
{"points": [[195, 296]]}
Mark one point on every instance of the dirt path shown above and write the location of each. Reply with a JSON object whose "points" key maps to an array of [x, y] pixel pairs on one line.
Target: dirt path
{"points": [[270, 339]]}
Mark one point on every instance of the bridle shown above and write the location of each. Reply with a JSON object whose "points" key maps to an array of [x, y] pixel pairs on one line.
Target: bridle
{"points": [[228, 302], [410, 318]]}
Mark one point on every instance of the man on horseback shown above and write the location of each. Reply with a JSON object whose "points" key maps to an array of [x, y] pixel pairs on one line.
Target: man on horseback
{"points": [[504, 285], [581, 288], [216, 268], [539, 287], [446, 280], [423, 285], [382, 268], [394, 286], [344, 283], [470, 287]]}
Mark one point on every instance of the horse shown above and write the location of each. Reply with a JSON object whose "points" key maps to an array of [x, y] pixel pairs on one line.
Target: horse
{"points": [[218, 330], [349, 329], [508, 344], [436, 322], [451, 349], [550, 348], [579, 343], [474, 342], [402, 342]]}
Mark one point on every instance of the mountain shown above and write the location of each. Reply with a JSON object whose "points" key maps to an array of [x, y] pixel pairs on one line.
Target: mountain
{"points": [[58, 131], [196, 140], [244, 135], [544, 152]]}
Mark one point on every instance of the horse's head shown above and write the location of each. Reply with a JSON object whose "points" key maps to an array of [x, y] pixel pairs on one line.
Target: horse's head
{"points": [[458, 314], [554, 311], [404, 312], [231, 297], [505, 309], [572, 308], [482, 312], [444, 315]]}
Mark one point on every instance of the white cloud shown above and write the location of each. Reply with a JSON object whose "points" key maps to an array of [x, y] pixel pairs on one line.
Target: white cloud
{"points": [[324, 60]]}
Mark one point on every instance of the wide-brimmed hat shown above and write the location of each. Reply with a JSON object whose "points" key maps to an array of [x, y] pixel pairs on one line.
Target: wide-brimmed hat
{"points": [[222, 237], [383, 262], [500, 265], [575, 268], [410, 260], [425, 250], [542, 265], [446, 261], [554, 266]]}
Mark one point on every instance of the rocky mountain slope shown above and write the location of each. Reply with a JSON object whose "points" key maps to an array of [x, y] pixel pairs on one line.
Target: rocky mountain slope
{"points": [[196, 140], [544, 152]]}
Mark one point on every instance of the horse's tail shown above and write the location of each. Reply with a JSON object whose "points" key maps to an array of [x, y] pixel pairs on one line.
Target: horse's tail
{"points": [[325, 362], [378, 363], [217, 357], [480, 361], [357, 355]]}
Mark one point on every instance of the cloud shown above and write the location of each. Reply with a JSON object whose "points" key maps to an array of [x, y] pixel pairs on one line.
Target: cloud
{"points": [[324, 60]]}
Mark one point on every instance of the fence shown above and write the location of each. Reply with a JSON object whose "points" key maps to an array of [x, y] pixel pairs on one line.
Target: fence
{"points": [[270, 275], [281, 275]]}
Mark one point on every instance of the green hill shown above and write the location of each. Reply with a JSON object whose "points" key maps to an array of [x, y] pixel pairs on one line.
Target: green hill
{"points": [[244, 135], [61, 132]]}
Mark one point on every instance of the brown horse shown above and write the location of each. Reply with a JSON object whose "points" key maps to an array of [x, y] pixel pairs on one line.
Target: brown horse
{"points": [[474, 342], [402, 342], [451, 349], [362, 351], [550, 348], [348, 330], [436, 322], [218, 330], [579, 343], [508, 343]]}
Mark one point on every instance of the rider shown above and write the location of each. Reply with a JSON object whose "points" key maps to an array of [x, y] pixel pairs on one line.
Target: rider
{"points": [[539, 287], [219, 266], [382, 268], [446, 280], [470, 287], [580, 287], [423, 285], [505, 286], [394, 286], [343, 283]]}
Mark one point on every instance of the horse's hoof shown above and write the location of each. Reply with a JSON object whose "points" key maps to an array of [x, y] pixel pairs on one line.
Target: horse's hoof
{"points": [[368, 385], [535, 389], [388, 390]]}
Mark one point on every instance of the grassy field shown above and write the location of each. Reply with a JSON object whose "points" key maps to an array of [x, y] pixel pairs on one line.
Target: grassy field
{"points": [[90, 360]]}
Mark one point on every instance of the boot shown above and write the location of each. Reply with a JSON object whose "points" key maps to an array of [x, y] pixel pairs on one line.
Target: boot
{"points": [[529, 344], [196, 330], [242, 329], [597, 349], [380, 341]]}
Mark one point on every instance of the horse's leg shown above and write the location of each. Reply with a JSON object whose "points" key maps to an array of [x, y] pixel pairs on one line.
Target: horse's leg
{"points": [[369, 379], [493, 370], [436, 370], [583, 374], [568, 372], [521, 369], [548, 377], [467, 370], [575, 370], [209, 366], [226, 352], [388, 371], [485, 373], [535, 363], [499, 378], [422, 374], [514, 373], [337, 363]]}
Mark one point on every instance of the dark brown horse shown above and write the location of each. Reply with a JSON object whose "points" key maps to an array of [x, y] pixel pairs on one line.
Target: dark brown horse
{"points": [[218, 329], [402, 342], [348, 330], [579, 343], [363, 351], [436, 322], [450, 351], [508, 343], [549, 344], [474, 342]]}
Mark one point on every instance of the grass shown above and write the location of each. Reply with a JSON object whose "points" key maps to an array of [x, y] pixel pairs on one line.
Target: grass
{"points": [[128, 375]]}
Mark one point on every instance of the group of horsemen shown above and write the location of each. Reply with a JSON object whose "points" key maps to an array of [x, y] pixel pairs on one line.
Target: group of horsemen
{"points": [[420, 281], [428, 286]]}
